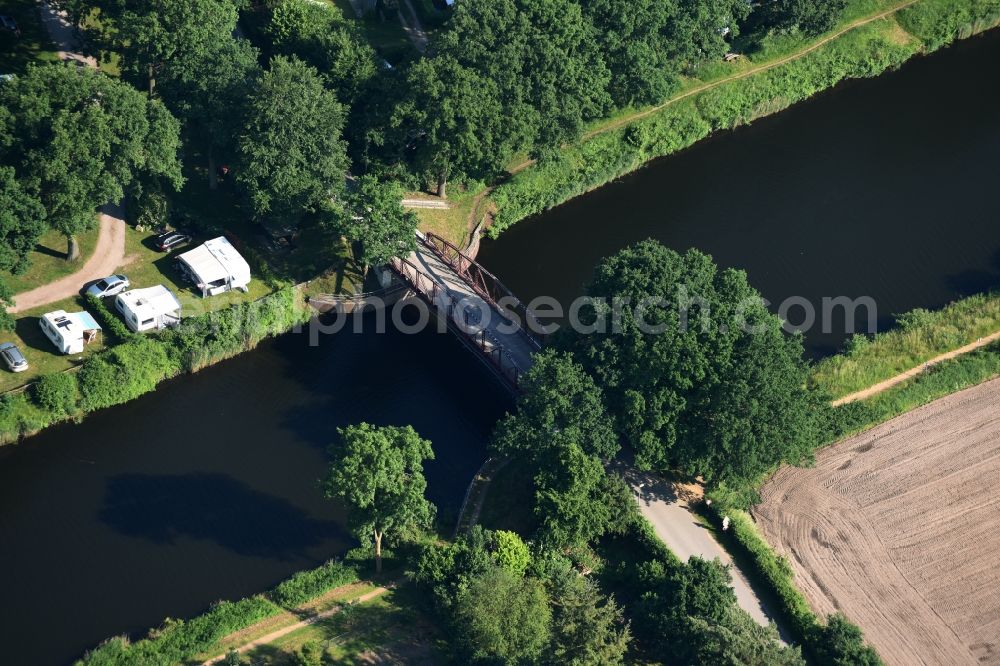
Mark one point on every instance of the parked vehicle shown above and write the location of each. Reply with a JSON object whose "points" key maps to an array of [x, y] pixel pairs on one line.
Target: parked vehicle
{"points": [[168, 241], [13, 357], [70, 332], [109, 286]]}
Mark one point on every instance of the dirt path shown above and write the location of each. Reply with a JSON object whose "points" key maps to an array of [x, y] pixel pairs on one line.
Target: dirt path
{"points": [[638, 115], [913, 372], [108, 255], [313, 619], [62, 34], [896, 528]]}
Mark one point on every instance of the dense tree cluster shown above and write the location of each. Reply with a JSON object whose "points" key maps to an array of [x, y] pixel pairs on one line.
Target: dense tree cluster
{"points": [[539, 610], [698, 375], [563, 434]]}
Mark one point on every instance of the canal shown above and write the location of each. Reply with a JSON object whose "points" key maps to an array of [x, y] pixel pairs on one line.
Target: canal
{"points": [[207, 489], [880, 188]]}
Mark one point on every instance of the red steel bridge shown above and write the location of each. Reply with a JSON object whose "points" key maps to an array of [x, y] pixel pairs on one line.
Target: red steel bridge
{"points": [[485, 315]]}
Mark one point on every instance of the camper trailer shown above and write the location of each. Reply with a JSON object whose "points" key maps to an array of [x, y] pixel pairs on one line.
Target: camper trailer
{"points": [[149, 309], [215, 267], [70, 332]]}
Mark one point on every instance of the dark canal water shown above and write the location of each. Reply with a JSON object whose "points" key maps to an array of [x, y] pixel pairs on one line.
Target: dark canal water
{"points": [[882, 188], [207, 489]]}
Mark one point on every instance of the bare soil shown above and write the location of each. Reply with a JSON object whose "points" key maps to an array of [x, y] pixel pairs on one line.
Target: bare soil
{"points": [[897, 528]]}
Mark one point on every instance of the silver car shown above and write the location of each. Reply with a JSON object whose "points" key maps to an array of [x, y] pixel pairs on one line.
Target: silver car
{"points": [[13, 357], [109, 286]]}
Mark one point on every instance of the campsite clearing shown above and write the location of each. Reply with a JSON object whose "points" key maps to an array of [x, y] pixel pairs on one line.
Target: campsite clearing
{"points": [[896, 529]]}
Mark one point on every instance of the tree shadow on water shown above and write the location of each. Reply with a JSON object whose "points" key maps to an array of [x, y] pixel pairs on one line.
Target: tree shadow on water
{"points": [[212, 507]]}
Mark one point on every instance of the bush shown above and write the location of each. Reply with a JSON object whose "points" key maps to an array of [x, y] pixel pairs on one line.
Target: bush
{"points": [[56, 393], [306, 585], [109, 322], [178, 641], [940, 22], [123, 373], [834, 643]]}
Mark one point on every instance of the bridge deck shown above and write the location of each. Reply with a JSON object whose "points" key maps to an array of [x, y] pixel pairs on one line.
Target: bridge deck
{"points": [[437, 278]]}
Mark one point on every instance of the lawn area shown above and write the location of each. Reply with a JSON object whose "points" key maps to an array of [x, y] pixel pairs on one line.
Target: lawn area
{"points": [[33, 45], [42, 355], [387, 629], [452, 223], [48, 260], [147, 267]]}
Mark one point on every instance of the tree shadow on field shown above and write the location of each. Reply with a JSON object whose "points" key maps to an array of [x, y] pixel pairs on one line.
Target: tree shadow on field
{"points": [[213, 507]]}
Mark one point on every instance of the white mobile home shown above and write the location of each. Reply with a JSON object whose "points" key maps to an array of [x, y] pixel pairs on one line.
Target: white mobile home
{"points": [[69, 331], [216, 267], [149, 309]]}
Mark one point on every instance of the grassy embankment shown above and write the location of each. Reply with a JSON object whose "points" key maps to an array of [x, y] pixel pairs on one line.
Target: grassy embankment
{"points": [[349, 629], [782, 70]]}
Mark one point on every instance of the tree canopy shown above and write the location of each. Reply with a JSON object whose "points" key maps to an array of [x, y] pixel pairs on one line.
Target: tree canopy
{"points": [[700, 375], [79, 138], [373, 218], [292, 159], [379, 474]]}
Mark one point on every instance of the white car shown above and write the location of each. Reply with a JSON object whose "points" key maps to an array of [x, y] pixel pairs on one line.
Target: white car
{"points": [[109, 286]]}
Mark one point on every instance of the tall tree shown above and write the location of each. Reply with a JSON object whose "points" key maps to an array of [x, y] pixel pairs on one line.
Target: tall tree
{"points": [[379, 474], [376, 221], [575, 500], [588, 629], [558, 398], [502, 618], [319, 34], [453, 119], [22, 221], [291, 155], [697, 374], [79, 138]]}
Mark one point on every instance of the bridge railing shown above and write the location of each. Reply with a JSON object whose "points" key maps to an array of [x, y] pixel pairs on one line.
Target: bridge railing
{"points": [[486, 285], [448, 306]]}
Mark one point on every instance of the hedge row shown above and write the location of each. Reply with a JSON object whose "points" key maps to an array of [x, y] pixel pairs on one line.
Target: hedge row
{"points": [[823, 646], [863, 52], [180, 641], [134, 367], [306, 585], [940, 22]]}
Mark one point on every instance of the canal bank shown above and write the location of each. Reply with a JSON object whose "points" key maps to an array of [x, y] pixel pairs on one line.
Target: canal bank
{"points": [[205, 489], [878, 188]]}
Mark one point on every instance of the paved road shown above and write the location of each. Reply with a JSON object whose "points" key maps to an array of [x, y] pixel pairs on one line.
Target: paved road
{"points": [[685, 536]]}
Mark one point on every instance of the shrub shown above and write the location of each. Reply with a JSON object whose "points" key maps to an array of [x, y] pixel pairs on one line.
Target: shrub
{"points": [[109, 322], [940, 22], [306, 585], [56, 393], [123, 373]]}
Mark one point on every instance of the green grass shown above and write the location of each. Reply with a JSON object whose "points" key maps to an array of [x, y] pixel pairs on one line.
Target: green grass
{"points": [[385, 629], [48, 260], [42, 355], [936, 382], [452, 223], [920, 336], [32, 46]]}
